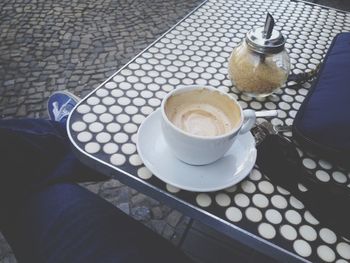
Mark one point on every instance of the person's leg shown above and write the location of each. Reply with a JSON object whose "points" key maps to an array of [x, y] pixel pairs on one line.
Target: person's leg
{"points": [[36, 152], [32, 151], [67, 223], [33, 154], [46, 219]]}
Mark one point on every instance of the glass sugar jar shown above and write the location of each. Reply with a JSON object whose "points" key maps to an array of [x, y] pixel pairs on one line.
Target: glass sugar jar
{"points": [[259, 65]]}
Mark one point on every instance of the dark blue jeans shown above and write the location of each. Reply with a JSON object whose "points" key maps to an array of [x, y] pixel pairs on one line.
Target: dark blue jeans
{"points": [[46, 217]]}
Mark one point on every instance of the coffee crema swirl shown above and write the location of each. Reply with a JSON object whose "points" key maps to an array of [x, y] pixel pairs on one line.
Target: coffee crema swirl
{"points": [[202, 112], [201, 119]]}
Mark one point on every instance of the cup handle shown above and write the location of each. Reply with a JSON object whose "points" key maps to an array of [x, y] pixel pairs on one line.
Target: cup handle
{"points": [[249, 121]]}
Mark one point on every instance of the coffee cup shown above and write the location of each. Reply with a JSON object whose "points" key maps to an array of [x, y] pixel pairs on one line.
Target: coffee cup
{"points": [[200, 123]]}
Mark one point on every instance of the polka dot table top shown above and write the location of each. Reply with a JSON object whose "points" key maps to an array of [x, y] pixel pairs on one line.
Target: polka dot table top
{"points": [[104, 125]]}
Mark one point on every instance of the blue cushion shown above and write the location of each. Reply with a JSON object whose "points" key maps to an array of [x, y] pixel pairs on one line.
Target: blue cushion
{"points": [[323, 121]]}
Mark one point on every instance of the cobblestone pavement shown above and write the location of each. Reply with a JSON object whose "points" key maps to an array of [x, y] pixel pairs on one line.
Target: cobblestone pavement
{"points": [[74, 45]]}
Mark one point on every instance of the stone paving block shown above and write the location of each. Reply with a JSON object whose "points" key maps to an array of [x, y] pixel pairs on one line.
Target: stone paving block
{"points": [[180, 230], [125, 207], [111, 184], [141, 213], [115, 195], [93, 187], [157, 212], [168, 232], [173, 218], [141, 199], [21, 111]]}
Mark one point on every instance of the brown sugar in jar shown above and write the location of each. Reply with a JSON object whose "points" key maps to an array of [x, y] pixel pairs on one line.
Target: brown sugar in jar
{"points": [[260, 64]]}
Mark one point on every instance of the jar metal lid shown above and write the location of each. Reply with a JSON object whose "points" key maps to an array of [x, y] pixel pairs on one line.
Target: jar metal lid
{"points": [[258, 42]]}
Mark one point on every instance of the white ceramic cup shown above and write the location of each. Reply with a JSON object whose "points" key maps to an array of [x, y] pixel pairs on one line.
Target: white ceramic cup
{"points": [[198, 150]]}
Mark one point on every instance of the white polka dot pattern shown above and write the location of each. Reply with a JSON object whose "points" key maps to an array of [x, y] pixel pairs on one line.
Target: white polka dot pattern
{"points": [[144, 173], [135, 160], [302, 248], [78, 126], [196, 51], [293, 217], [84, 136], [288, 232], [266, 230], [117, 159], [241, 200], [253, 214], [234, 214], [273, 216], [260, 200], [203, 200], [172, 189], [103, 137], [344, 250], [308, 233], [279, 201], [222, 199], [92, 147], [326, 253], [328, 236], [110, 148]]}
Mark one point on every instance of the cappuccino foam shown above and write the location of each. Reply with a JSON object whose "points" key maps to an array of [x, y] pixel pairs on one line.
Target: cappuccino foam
{"points": [[203, 112]]}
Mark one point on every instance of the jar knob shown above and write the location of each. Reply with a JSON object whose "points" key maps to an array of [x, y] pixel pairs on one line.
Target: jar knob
{"points": [[266, 39], [269, 24]]}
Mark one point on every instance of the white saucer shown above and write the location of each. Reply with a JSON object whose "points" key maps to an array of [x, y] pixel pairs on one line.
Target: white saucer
{"points": [[226, 172]]}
